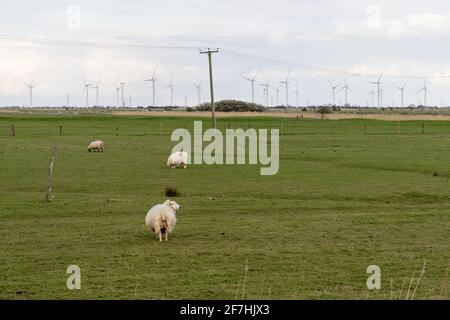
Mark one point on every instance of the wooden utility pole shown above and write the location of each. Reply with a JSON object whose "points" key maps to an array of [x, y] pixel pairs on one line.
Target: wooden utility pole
{"points": [[209, 52], [47, 196]]}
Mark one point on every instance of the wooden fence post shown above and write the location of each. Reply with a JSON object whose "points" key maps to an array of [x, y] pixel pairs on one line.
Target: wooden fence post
{"points": [[365, 128], [48, 196], [12, 131], [60, 130], [423, 127]]}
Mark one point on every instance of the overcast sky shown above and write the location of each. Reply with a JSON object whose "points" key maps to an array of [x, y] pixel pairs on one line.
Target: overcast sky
{"points": [[361, 37]]}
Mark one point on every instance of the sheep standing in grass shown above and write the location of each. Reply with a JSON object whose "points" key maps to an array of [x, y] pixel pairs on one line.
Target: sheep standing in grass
{"points": [[179, 158], [96, 146], [161, 218]]}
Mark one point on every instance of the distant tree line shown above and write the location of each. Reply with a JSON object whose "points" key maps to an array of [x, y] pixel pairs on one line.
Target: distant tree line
{"points": [[232, 106]]}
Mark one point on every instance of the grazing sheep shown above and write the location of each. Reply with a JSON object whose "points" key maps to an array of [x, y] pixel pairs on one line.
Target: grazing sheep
{"points": [[96, 146], [179, 158], [161, 218]]}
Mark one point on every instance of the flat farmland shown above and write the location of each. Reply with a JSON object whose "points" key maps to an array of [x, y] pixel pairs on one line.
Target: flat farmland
{"points": [[349, 193]]}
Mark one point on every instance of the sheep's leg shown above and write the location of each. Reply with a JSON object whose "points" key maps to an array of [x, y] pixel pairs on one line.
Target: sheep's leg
{"points": [[160, 236], [166, 235]]}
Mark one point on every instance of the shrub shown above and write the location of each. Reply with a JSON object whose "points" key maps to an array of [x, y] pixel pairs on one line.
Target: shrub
{"points": [[171, 192], [232, 106]]}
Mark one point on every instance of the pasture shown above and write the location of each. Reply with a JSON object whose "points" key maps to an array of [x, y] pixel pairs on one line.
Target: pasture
{"points": [[342, 200]]}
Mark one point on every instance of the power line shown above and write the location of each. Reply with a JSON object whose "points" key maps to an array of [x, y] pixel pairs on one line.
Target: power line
{"points": [[224, 52], [91, 44], [292, 65]]}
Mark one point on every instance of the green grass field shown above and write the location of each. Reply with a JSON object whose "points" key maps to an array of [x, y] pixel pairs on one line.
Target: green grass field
{"points": [[342, 200]]}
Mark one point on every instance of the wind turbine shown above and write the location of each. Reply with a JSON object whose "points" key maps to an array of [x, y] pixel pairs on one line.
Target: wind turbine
{"points": [[333, 91], [346, 88], [425, 91], [199, 90], [86, 89], [266, 87], [286, 83], [379, 90], [122, 85], [117, 96], [30, 87], [277, 92], [171, 86], [252, 80], [153, 80], [372, 93], [96, 89], [296, 92], [402, 89]]}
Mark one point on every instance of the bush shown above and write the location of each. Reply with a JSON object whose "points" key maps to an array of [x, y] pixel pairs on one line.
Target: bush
{"points": [[171, 192], [232, 106]]}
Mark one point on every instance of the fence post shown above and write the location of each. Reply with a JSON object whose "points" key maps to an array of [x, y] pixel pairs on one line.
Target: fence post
{"points": [[398, 126], [47, 196], [423, 127], [12, 131], [117, 130], [365, 128], [60, 130]]}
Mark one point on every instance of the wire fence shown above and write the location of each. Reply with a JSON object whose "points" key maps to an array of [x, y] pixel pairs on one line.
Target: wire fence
{"points": [[20, 128]]}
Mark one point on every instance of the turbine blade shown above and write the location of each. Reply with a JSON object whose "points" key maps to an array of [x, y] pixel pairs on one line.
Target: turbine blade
{"points": [[381, 75]]}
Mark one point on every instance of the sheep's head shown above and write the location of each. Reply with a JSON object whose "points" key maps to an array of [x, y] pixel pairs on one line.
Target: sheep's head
{"points": [[175, 206]]}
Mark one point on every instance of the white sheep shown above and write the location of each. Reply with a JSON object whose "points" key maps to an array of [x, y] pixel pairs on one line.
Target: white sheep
{"points": [[161, 218], [96, 146], [179, 158]]}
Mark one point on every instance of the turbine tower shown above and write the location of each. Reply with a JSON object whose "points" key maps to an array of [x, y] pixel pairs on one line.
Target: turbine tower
{"points": [[346, 88], [266, 87], [171, 86], [277, 93], [30, 88], [286, 83], [372, 93], [296, 92], [122, 85], [379, 90], [96, 89], [153, 81], [86, 89], [425, 91], [199, 90], [252, 80], [402, 91], [333, 92], [117, 96]]}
